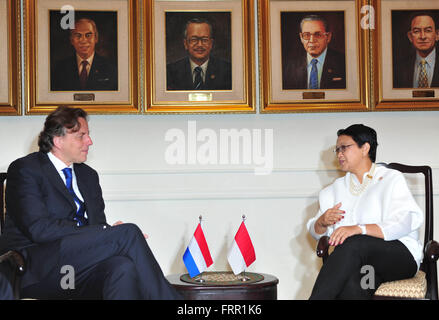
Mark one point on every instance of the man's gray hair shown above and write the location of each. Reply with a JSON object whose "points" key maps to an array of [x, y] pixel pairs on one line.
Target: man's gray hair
{"points": [[314, 17]]}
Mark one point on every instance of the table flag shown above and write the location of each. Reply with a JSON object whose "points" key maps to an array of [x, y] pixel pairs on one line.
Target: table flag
{"points": [[242, 254], [197, 256]]}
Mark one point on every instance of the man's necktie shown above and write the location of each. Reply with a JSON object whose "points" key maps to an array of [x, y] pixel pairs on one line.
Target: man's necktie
{"points": [[83, 75], [422, 78], [198, 82], [79, 217], [313, 77]]}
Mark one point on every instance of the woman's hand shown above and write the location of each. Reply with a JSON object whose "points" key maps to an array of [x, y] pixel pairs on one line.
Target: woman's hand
{"points": [[342, 233], [330, 217]]}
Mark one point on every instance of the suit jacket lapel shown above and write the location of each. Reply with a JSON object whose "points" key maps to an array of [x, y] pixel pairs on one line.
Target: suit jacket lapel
{"points": [[210, 73], [95, 68], [74, 72], [83, 188], [53, 176], [303, 74], [435, 80], [188, 75]]}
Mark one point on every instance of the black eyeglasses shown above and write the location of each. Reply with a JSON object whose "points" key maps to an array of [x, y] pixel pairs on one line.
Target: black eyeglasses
{"points": [[316, 35], [195, 40], [342, 148]]}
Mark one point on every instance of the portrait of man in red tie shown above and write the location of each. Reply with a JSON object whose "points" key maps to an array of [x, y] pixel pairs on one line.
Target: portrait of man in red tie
{"points": [[83, 67]]}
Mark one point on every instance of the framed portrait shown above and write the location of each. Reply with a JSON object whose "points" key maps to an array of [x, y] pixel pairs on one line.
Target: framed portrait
{"points": [[199, 56], [84, 53], [406, 55], [10, 53], [312, 56]]}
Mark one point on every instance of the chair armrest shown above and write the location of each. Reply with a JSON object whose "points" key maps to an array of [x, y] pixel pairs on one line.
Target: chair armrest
{"points": [[322, 248], [16, 261], [432, 251]]}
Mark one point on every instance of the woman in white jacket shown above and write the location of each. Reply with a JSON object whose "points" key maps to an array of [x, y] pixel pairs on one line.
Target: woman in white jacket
{"points": [[372, 221]]}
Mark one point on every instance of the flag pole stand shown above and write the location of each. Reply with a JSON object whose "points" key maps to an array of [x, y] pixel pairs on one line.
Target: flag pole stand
{"points": [[200, 278], [244, 278]]}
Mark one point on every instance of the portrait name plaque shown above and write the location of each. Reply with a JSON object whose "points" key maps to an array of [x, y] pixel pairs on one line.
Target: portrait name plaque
{"points": [[198, 96], [423, 94], [313, 95], [84, 97]]}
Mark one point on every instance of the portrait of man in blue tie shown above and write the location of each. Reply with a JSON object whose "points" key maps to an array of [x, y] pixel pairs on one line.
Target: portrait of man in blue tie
{"points": [[415, 52], [312, 64]]}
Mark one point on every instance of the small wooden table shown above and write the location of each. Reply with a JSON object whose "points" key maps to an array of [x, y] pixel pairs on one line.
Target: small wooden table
{"points": [[265, 289]]}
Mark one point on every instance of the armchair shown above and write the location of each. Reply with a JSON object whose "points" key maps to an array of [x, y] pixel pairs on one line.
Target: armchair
{"points": [[11, 260]]}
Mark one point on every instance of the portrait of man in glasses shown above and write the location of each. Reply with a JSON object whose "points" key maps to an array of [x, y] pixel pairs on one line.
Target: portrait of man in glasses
{"points": [[199, 69], [416, 63], [84, 69], [315, 65]]}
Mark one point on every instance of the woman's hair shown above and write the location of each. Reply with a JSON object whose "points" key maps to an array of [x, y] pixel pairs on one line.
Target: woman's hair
{"points": [[57, 123], [362, 134]]}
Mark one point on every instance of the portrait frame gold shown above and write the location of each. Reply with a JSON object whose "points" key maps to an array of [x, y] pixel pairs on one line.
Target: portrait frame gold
{"points": [[241, 97], [10, 56], [39, 99], [386, 97], [274, 99]]}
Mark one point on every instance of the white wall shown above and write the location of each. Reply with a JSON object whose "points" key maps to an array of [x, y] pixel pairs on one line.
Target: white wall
{"points": [[166, 200]]}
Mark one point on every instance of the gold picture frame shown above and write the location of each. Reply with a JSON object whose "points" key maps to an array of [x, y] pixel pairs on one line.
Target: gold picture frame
{"points": [[51, 79], [280, 46], [10, 58], [394, 87], [232, 23]]}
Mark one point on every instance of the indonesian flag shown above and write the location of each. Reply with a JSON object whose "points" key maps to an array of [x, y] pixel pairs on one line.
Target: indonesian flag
{"points": [[242, 254], [197, 255]]}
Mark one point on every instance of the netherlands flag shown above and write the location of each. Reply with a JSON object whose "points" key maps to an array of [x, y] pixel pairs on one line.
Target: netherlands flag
{"points": [[242, 254], [197, 255]]}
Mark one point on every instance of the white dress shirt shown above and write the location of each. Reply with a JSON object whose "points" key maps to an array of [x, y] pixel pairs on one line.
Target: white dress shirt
{"points": [[387, 202], [59, 166]]}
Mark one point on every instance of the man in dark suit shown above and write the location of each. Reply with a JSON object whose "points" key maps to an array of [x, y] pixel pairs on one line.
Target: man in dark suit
{"points": [[86, 70], [419, 69], [55, 218], [200, 70], [6, 292], [318, 67]]}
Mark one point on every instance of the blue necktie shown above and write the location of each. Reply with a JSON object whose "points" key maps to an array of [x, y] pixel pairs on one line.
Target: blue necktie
{"points": [[198, 83], [79, 217], [313, 77]]}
